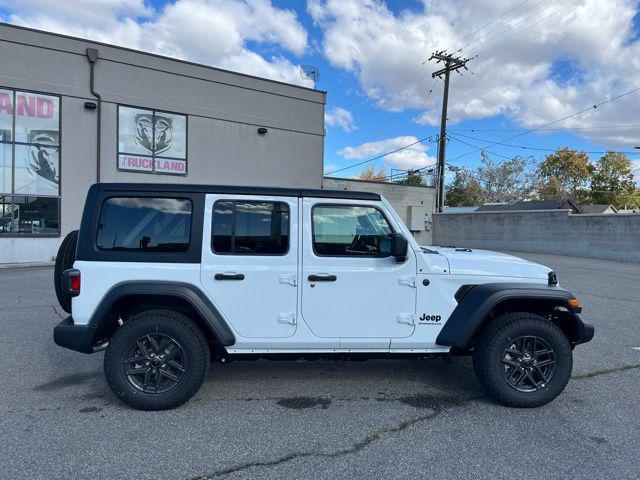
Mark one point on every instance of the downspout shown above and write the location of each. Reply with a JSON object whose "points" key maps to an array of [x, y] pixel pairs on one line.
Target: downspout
{"points": [[92, 56]]}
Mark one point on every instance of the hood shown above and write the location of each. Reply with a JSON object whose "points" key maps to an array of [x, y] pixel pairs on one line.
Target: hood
{"points": [[467, 261]]}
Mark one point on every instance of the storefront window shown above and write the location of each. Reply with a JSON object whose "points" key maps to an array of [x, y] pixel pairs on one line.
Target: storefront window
{"points": [[29, 163], [152, 141]]}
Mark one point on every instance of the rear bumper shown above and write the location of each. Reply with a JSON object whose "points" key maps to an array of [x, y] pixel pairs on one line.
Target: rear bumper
{"points": [[80, 338]]}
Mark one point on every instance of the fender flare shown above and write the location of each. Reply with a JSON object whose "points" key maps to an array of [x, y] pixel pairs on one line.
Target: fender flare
{"points": [[476, 304], [185, 291]]}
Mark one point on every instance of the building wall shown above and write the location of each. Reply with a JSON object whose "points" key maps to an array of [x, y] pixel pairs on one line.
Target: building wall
{"points": [[224, 111], [401, 198], [605, 236]]}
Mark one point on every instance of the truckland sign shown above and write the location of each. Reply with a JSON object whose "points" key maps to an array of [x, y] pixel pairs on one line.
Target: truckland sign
{"points": [[151, 141]]}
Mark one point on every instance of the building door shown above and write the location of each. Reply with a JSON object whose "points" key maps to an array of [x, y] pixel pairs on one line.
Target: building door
{"points": [[249, 262], [349, 289]]}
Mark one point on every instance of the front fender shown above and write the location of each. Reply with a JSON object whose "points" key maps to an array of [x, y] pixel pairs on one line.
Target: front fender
{"points": [[478, 302]]}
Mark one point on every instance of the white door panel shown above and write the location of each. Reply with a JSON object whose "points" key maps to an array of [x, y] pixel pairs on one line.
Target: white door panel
{"points": [[256, 293], [355, 297]]}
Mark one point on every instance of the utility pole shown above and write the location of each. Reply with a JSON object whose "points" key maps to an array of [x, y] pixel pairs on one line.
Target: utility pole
{"points": [[451, 64]]}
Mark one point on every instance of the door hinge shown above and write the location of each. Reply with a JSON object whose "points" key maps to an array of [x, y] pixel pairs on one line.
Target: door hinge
{"points": [[287, 318], [291, 279], [408, 281], [407, 318]]}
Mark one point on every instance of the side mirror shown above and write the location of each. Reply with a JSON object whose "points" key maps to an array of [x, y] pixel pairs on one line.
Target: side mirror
{"points": [[395, 245]]}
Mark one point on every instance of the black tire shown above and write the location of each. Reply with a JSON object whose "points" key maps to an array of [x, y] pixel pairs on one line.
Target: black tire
{"points": [[171, 330], [523, 360], [64, 261]]}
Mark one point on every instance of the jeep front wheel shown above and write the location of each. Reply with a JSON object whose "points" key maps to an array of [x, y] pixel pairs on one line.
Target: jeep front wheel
{"points": [[157, 360], [523, 360]]}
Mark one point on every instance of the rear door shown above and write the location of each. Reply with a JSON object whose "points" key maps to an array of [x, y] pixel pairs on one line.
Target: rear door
{"points": [[349, 290], [249, 262]]}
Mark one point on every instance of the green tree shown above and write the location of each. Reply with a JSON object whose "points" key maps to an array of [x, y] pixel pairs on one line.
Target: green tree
{"points": [[413, 178], [464, 192], [505, 181], [565, 174], [612, 181]]}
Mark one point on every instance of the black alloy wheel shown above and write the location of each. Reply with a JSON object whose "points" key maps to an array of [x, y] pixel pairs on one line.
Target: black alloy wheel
{"points": [[155, 363], [157, 360], [528, 363], [522, 359]]}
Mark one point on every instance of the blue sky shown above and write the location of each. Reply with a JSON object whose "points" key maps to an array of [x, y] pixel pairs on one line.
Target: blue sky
{"points": [[534, 62]]}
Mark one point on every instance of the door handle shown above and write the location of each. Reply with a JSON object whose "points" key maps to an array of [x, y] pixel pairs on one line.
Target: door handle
{"points": [[229, 276], [322, 278]]}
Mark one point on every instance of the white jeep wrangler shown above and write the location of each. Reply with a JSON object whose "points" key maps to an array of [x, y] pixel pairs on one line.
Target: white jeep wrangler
{"points": [[167, 278]]}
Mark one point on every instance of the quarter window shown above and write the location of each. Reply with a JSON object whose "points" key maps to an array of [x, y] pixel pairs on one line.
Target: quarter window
{"points": [[250, 228], [29, 163], [152, 141], [144, 224], [345, 231]]}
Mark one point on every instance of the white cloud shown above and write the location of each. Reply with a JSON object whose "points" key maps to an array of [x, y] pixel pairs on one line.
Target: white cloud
{"points": [[518, 77], [408, 158], [340, 117], [206, 31]]}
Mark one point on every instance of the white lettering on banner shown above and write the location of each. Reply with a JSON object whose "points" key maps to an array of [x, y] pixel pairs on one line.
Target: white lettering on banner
{"points": [[166, 165], [133, 162]]}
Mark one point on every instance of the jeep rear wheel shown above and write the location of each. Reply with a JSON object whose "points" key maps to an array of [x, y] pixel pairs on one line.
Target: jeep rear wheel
{"points": [[523, 360], [157, 360]]}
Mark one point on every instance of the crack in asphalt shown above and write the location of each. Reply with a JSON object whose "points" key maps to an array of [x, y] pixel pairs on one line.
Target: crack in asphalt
{"points": [[437, 404], [607, 371], [55, 310]]}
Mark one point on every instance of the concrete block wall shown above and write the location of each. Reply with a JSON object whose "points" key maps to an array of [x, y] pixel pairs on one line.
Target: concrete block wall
{"points": [[610, 237], [401, 198]]}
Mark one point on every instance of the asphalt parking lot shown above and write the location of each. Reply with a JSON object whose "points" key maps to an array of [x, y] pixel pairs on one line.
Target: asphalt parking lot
{"points": [[373, 419]]}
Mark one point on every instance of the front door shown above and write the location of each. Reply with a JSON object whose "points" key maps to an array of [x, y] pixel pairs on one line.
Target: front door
{"points": [[349, 289], [249, 262]]}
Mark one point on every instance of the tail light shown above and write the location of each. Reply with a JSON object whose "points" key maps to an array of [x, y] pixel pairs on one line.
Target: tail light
{"points": [[72, 282]]}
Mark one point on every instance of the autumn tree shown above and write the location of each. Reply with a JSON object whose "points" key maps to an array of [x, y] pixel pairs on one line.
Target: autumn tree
{"points": [[612, 181], [505, 181], [464, 192], [370, 173], [565, 173]]}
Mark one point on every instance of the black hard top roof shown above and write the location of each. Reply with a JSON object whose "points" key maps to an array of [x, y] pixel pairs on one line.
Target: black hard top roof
{"points": [[235, 190]]}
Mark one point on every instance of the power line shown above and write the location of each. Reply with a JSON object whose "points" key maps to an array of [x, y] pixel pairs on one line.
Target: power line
{"points": [[381, 155], [424, 102], [485, 25], [604, 127], [499, 30], [527, 147], [593, 107], [491, 47]]}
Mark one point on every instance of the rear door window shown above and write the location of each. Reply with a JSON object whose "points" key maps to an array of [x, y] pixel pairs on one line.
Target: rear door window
{"points": [[250, 228], [145, 224]]}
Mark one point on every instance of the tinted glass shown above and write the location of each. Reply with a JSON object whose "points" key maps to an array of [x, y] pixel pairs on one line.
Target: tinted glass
{"points": [[349, 231], [222, 227], [34, 215], [145, 224], [251, 228]]}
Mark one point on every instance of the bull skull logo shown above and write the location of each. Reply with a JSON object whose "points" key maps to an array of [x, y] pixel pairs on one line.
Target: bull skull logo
{"points": [[153, 138], [43, 155]]}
